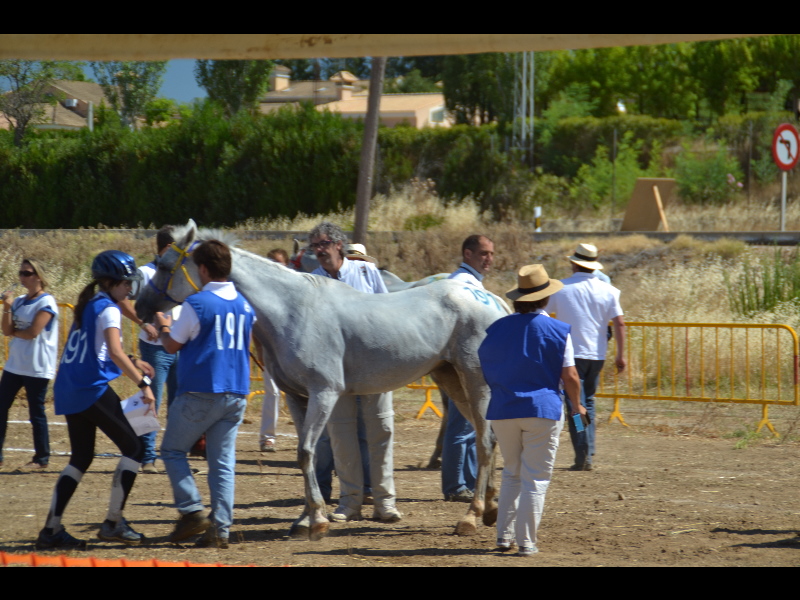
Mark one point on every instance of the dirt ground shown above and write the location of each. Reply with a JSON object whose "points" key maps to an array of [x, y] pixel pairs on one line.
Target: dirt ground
{"points": [[658, 498]]}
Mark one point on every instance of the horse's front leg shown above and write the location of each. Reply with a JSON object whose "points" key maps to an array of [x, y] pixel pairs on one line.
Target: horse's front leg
{"points": [[313, 524]]}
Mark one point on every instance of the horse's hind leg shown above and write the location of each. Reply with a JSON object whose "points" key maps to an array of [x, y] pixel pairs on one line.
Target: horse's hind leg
{"points": [[435, 461], [469, 403]]}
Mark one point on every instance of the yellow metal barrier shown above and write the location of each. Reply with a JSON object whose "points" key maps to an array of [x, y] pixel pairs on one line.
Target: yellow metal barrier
{"points": [[428, 387], [707, 362]]}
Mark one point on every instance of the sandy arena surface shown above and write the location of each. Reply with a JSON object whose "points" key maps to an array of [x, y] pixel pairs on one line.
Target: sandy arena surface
{"points": [[657, 499]]}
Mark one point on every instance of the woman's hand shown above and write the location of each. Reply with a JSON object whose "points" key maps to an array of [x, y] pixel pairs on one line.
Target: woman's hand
{"points": [[148, 397], [8, 301], [144, 367]]}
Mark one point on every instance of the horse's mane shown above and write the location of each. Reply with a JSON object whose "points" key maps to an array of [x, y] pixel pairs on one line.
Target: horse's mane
{"points": [[226, 237]]}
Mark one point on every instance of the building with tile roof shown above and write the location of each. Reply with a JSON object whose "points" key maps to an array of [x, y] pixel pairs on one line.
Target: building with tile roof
{"points": [[345, 94]]}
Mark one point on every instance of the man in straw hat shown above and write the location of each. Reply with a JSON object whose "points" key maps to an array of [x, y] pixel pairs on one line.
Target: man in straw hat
{"points": [[588, 304], [459, 449], [525, 357]]}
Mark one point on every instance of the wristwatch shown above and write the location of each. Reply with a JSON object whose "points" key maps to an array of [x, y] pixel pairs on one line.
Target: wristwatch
{"points": [[145, 382]]}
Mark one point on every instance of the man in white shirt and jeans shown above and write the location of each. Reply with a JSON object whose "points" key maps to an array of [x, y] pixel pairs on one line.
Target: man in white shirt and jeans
{"points": [[588, 304]]}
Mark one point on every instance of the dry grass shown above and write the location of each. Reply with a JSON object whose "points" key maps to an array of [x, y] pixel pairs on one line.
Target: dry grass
{"points": [[683, 281]]}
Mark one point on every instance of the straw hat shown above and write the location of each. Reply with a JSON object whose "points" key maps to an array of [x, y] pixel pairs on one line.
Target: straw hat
{"points": [[358, 252], [533, 285], [586, 256]]}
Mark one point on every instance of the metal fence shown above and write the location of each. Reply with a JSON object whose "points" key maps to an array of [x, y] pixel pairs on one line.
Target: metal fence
{"points": [[706, 362]]}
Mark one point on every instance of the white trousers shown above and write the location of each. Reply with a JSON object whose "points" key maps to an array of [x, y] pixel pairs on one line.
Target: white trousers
{"points": [[529, 449], [270, 410], [378, 414]]}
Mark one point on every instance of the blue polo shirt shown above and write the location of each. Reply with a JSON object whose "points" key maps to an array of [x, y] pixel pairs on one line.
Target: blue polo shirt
{"points": [[522, 358]]}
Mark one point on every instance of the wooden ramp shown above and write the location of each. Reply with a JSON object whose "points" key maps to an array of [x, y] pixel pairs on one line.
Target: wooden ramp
{"points": [[647, 208]]}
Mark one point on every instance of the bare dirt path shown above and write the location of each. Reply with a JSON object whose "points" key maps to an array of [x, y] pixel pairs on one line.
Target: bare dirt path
{"points": [[656, 500]]}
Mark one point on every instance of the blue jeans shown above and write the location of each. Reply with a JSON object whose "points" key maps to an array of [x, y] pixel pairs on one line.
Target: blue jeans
{"points": [[584, 443], [459, 454], [218, 416], [166, 372], [36, 390], [324, 464]]}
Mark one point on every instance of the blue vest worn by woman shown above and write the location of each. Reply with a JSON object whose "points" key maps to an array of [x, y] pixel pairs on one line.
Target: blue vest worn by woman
{"points": [[217, 361], [522, 358], [82, 377]]}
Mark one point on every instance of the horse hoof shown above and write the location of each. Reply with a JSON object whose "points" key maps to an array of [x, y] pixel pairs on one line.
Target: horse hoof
{"points": [[490, 517], [319, 531], [466, 529], [299, 533]]}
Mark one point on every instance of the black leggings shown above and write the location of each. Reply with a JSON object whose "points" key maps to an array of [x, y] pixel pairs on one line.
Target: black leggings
{"points": [[105, 414]]}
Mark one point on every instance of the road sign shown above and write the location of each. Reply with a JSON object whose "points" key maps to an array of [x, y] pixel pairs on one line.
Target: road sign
{"points": [[786, 147]]}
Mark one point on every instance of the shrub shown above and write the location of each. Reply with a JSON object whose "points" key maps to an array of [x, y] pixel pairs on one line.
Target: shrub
{"points": [[709, 178]]}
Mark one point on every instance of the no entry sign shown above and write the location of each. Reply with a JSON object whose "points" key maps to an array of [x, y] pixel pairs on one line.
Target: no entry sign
{"points": [[786, 147]]}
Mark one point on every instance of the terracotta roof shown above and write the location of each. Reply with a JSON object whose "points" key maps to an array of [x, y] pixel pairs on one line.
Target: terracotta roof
{"points": [[82, 90], [58, 116]]}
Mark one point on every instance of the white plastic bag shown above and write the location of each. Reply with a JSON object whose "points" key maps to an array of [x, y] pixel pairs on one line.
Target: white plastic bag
{"points": [[141, 416]]}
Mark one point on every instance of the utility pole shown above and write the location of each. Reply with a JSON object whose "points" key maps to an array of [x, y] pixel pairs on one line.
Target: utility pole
{"points": [[524, 87], [367, 170]]}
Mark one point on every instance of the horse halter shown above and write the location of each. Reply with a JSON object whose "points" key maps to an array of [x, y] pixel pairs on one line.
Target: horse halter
{"points": [[183, 256]]}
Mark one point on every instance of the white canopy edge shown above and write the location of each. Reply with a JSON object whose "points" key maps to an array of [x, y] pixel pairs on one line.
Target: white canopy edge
{"points": [[166, 46]]}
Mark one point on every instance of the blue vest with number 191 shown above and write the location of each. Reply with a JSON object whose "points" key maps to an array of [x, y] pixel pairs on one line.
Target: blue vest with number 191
{"points": [[217, 361], [82, 377]]}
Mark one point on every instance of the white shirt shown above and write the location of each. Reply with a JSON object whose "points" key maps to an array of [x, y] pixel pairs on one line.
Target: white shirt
{"points": [[587, 304], [110, 318], [360, 275], [36, 357], [468, 275], [569, 352], [187, 327]]}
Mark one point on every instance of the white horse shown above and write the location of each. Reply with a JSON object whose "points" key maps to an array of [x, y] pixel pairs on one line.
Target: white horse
{"points": [[306, 262], [324, 340]]}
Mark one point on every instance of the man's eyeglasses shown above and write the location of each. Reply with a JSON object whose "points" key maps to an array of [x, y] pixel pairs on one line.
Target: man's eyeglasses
{"points": [[320, 245]]}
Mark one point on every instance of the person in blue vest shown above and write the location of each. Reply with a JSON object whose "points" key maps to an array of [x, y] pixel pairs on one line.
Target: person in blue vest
{"points": [[92, 358], [525, 357], [213, 337]]}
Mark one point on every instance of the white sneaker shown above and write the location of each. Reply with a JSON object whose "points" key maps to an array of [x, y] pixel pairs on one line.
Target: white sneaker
{"points": [[387, 515], [345, 515]]}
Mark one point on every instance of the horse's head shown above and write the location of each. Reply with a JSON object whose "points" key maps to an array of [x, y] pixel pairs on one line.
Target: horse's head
{"points": [[176, 276]]}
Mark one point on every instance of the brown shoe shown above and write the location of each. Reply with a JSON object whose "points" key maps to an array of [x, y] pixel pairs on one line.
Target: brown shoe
{"points": [[210, 539], [149, 469], [190, 525], [33, 467]]}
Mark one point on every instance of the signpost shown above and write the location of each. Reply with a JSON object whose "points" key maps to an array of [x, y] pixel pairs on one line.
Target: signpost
{"points": [[786, 152]]}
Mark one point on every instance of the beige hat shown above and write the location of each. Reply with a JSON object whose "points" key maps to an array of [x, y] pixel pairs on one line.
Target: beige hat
{"points": [[586, 256], [358, 252], [534, 284]]}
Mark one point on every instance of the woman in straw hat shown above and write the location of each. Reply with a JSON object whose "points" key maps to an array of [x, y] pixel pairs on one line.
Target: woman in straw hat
{"points": [[525, 357]]}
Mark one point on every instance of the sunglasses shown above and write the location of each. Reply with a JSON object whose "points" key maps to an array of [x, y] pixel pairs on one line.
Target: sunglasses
{"points": [[321, 245], [27, 273]]}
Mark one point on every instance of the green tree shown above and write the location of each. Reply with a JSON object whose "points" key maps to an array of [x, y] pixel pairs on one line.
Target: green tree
{"points": [[234, 84], [26, 83], [129, 86], [479, 88], [411, 83]]}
